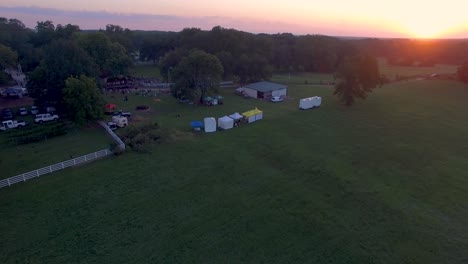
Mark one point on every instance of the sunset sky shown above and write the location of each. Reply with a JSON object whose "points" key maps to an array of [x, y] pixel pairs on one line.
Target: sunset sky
{"points": [[397, 18]]}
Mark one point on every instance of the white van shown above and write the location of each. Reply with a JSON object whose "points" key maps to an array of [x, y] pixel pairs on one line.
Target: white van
{"points": [[120, 121]]}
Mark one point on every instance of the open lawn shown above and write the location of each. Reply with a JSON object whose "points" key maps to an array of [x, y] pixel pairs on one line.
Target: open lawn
{"points": [[145, 70], [391, 71], [17, 159], [382, 182]]}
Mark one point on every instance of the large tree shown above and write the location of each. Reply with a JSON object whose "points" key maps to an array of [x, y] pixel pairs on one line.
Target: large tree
{"points": [[8, 58], [83, 99], [111, 57], [63, 58], [356, 77], [197, 74]]}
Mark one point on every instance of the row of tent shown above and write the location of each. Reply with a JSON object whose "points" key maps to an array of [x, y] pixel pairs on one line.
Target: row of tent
{"points": [[209, 124]]}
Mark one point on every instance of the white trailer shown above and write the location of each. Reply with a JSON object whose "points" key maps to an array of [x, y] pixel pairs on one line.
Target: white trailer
{"points": [[310, 102]]}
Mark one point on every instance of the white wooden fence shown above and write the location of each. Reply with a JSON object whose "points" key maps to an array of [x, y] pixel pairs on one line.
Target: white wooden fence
{"points": [[65, 164]]}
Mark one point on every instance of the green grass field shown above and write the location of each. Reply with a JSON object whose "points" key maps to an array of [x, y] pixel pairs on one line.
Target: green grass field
{"points": [[391, 71], [17, 159], [145, 70], [381, 182]]}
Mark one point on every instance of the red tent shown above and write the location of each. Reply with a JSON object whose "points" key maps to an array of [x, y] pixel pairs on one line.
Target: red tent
{"points": [[111, 106]]}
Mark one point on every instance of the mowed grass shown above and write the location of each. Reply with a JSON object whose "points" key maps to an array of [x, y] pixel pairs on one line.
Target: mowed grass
{"points": [[17, 159], [381, 182], [392, 71], [145, 70]]}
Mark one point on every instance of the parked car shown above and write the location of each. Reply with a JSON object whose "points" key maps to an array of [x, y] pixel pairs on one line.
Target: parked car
{"points": [[45, 118], [7, 114], [23, 111], [50, 109], [120, 121], [34, 110], [112, 125], [122, 113], [276, 99], [9, 124]]}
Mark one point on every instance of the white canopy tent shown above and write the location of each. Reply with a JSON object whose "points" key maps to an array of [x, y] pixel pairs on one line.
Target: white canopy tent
{"points": [[225, 122], [209, 124], [236, 116]]}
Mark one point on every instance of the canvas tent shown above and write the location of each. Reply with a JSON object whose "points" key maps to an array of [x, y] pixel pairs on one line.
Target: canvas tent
{"points": [[236, 116], [210, 124], [225, 122], [196, 125], [253, 115]]}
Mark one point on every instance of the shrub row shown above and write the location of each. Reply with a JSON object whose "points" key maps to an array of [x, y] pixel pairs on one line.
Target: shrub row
{"points": [[36, 133]]}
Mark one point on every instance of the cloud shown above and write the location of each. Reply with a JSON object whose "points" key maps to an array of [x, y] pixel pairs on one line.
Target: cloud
{"points": [[99, 19]]}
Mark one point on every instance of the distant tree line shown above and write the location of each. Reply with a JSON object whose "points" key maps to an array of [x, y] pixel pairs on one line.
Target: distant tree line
{"points": [[51, 54]]}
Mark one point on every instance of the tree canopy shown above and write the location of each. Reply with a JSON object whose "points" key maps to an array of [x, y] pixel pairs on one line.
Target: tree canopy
{"points": [[197, 74], [356, 77], [83, 99]]}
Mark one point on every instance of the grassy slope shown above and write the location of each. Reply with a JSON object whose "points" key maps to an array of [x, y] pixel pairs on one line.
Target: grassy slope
{"points": [[23, 158], [382, 182], [145, 70]]}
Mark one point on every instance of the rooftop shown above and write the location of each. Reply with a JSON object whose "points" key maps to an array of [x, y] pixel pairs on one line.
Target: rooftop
{"points": [[265, 86]]}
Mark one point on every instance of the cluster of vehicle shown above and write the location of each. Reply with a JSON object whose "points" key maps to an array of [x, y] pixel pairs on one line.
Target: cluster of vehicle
{"points": [[119, 119], [7, 116]]}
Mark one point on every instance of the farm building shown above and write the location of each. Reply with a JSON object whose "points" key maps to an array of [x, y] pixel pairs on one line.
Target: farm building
{"points": [[264, 90]]}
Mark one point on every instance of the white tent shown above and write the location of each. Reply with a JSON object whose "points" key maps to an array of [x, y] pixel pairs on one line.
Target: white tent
{"points": [[225, 122], [210, 124], [236, 116]]}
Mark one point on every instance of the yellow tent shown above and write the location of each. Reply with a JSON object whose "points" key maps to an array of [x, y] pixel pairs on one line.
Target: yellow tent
{"points": [[253, 115]]}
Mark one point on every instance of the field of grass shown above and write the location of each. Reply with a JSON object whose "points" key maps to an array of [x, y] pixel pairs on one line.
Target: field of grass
{"points": [[145, 70], [381, 182], [391, 71], [16, 159]]}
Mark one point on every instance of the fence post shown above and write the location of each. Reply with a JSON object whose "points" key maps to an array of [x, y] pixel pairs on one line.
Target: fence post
{"points": [[61, 163], [74, 162], [8, 180], [95, 155], [24, 179], [85, 158], [37, 173], [50, 169]]}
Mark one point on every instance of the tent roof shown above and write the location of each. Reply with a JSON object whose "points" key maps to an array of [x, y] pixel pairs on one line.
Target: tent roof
{"points": [[225, 119], [236, 116], [196, 124], [110, 106], [265, 86], [252, 112]]}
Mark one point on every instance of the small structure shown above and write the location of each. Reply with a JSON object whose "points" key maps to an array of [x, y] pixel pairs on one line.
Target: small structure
{"points": [[253, 115], [237, 118], [209, 124], [196, 125], [110, 108], [263, 90], [310, 102], [225, 122]]}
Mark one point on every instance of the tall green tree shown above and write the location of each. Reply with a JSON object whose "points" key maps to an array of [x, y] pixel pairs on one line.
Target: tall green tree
{"points": [[62, 59], [83, 99], [357, 76], [8, 58], [197, 74], [111, 57]]}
